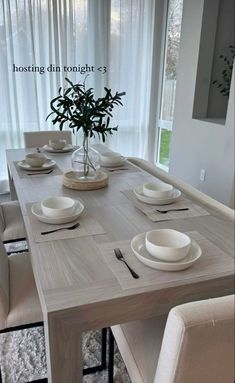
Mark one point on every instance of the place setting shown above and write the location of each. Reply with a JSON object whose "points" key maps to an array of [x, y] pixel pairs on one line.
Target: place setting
{"points": [[36, 164], [60, 218], [163, 255], [161, 201], [58, 146], [166, 249], [115, 163]]}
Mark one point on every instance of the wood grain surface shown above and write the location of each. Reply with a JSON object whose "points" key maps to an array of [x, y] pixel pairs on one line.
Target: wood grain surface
{"points": [[79, 290]]}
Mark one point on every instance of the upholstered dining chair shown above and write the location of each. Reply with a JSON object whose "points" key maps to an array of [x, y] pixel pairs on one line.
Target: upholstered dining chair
{"points": [[11, 222], [195, 343], [42, 137], [19, 302]]}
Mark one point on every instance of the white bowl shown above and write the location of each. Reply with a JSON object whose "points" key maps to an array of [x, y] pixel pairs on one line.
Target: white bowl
{"points": [[57, 206], [167, 244], [139, 249], [157, 189], [37, 212], [35, 159], [57, 144], [111, 158], [139, 194]]}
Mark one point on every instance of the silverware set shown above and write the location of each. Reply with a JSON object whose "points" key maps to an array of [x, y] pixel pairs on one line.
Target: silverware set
{"points": [[39, 173], [115, 170], [121, 258], [169, 210], [61, 228]]}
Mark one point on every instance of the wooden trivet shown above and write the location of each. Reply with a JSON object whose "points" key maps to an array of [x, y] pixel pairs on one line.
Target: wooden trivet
{"points": [[71, 181]]}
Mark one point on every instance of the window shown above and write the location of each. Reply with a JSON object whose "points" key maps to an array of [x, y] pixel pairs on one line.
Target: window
{"points": [[117, 34], [172, 43]]}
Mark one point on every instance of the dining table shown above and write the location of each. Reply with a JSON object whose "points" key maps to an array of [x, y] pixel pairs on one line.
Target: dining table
{"points": [[81, 284]]}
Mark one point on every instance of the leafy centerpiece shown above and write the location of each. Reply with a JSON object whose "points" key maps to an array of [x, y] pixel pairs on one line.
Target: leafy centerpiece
{"points": [[223, 84], [77, 108]]}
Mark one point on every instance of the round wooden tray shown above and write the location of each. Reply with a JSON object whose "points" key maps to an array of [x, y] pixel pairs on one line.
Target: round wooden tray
{"points": [[71, 181]]}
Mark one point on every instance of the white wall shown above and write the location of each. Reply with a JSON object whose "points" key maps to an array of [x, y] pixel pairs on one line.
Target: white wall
{"points": [[198, 144]]}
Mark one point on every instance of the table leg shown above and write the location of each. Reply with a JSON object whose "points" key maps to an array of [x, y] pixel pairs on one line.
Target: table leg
{"points": [[11, 186], [64, 351]]}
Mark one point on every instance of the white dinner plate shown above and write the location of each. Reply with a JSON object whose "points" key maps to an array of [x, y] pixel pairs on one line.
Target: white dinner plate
{"points": [[139, 249], [37, 212], [67, 148], [106, 164], [138, 191], [47, 165]]}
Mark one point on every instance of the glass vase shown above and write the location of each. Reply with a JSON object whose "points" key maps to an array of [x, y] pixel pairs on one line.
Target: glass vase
{"points": [[85, 161]]}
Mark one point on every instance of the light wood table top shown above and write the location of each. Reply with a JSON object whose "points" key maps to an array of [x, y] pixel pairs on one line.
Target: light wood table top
{"points": [[77, 288]]}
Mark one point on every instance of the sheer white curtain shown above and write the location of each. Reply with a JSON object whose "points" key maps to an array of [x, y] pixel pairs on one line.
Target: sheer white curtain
{"points": [[117, 34]]}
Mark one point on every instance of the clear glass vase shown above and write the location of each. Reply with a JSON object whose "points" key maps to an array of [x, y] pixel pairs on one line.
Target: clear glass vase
{"points": [[85, 161]]}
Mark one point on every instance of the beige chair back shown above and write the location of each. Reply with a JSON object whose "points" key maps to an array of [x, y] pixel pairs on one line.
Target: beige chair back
{"points": [[4, 285], [40, 138], [11, 221], [193, 344], [198, 343]]}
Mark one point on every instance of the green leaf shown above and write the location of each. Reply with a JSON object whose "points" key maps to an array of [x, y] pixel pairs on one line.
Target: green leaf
{"points": [[78, 108]]}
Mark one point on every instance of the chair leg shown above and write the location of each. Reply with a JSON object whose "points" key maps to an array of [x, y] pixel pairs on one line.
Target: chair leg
{"points": [[104, 348], [16, 251], [110, 357], [14, 240]]}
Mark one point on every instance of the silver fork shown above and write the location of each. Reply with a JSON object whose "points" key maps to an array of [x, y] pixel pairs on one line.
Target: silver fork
{"points": [[61, 228], [115, 170], [38, 173], [121, 258], [166, 211]]}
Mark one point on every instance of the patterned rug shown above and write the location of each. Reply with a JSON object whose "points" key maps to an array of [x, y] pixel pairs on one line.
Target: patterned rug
{"points": [[22, 354]]}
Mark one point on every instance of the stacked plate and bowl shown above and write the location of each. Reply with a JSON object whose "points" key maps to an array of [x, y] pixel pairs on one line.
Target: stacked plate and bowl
{"points": [[163, 249], [58, 146], [166, 249], [156, 193], [57, 210], [111, 159], [36, 162]]}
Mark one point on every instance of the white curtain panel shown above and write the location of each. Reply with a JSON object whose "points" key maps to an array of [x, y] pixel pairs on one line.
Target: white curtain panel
{"points": [[123, 36]]}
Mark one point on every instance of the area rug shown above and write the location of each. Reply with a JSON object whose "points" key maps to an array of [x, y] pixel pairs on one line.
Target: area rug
{"points": [[23, 359]]}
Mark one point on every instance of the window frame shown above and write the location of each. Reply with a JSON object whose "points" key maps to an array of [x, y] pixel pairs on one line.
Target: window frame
{"points": [[163, 124]]}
